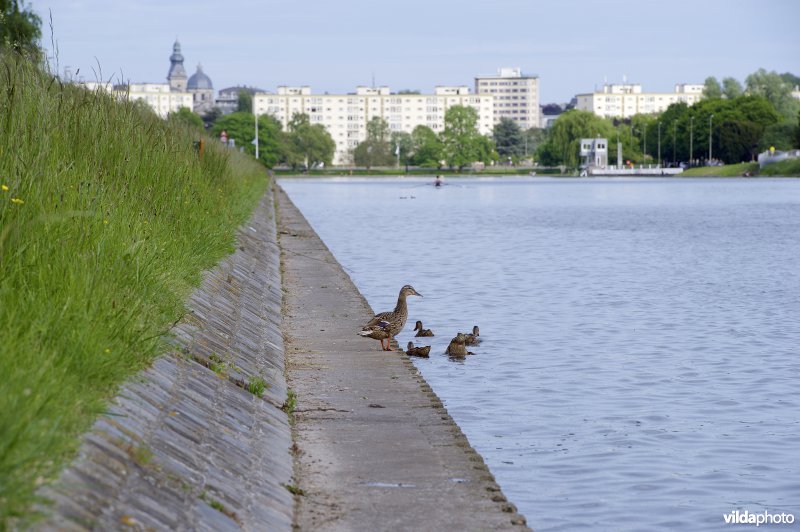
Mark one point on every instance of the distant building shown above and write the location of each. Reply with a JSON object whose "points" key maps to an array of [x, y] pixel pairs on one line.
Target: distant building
{"points": [[160, 96], [626, 100], [796, 92], [516, 96], [228, 99], [201, 88], [199, 85], [345, 116], [594, 153], [176, 77]]}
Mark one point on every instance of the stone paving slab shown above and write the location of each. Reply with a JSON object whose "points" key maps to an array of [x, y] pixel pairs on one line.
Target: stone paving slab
{"points": [[184, 446], [376, 448]]}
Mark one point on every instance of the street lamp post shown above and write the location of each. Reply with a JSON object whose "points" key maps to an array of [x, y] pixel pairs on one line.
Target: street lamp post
{"points": [[256, 140], [674, 146], [659, 144], [691, 139], [644, 139], [710, 140]]}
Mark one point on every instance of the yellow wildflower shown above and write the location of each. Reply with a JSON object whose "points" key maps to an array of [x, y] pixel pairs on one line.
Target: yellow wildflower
{"points": [[105, 222], [4, 187], [108, 350], [17, 201]]}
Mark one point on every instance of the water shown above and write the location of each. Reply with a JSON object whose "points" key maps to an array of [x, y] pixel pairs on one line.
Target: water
{"points": [[639, 366]]}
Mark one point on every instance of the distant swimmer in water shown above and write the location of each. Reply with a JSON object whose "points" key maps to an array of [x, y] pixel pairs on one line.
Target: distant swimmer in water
{"points": [[438, 181]]}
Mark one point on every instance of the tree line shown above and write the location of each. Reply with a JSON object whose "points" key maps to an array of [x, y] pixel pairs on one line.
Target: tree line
{"points": [[731, 124]]}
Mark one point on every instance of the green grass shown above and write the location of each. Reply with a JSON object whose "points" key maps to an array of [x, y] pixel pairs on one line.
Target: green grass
{"points": [[257, 386], [728, 170], [107, 219], [787, 168]]}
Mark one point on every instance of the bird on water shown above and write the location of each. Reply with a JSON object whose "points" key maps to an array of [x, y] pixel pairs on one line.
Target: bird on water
{"points": [[386, 325], [473, 338], [422, 332], [424, 351], [456, 348]]}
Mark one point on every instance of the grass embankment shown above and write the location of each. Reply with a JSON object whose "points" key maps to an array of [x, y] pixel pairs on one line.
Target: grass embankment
{"points": [[107, 219], [788, 168]]}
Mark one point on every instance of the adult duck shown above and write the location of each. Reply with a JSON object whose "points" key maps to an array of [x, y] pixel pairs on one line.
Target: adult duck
{"points": [[422, 332], [385, 325], [424, 351]]}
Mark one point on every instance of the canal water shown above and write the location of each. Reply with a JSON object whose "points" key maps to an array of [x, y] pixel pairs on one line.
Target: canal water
{"points": [[640, 363]]}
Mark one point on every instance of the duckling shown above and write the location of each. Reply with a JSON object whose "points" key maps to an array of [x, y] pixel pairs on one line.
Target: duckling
{"points": [[456, 349], [473, 337], [424, 351], [385, 325], [422, 332]]}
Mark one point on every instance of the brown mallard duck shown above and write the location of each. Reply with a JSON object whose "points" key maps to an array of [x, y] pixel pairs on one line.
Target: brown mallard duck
{"points": [[385, 325], [422, 332], [457, 349], [424, 351], [473, 338]]}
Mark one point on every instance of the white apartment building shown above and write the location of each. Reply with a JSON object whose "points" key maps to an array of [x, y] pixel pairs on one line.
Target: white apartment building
{"points": [[159, 96], [345, 116], [516, 96], [626, 100]]}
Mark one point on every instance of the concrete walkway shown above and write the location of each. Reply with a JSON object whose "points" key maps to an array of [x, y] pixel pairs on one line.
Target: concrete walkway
{"points": [[376, 450]]}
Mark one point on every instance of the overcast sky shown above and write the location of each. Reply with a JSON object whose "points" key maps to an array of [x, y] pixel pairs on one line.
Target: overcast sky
{"points": [[572, 45]]}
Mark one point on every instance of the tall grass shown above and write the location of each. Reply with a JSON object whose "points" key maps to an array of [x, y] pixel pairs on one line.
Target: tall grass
{"points": [[107, 218]]}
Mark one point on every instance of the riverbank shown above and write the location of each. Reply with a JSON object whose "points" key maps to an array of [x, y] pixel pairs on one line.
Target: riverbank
{"points": [[375, 447], [202, 439]]}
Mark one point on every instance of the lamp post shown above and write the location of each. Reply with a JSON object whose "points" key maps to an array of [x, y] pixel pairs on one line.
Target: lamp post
{"points": [[659, 144], [256, 140], [644, 139], [691, 139], [674, 146], [710, 119]]}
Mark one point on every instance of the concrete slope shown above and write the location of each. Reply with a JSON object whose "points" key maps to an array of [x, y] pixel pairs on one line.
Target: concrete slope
{"points": [[376, 450], [184, 446]]}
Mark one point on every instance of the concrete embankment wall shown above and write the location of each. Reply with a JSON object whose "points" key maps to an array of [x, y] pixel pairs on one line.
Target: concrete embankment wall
{"points": [[185, 446]]}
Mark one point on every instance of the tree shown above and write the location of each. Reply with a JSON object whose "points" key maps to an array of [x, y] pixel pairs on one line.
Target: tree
{"points": [[240, 126], [460, 138], [211, 116], [245, 102], [731, 88], [563, 142], [509, 139], [712, 88], [308, 145], [782, 136], [271, 141], [736, 140], [771, 86], [20, 28], [184, 116], [402, 141], [375, 150], [427, 147]]}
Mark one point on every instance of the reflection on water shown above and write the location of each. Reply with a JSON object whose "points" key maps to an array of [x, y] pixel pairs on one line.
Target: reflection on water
{"points": [[639, 365]]}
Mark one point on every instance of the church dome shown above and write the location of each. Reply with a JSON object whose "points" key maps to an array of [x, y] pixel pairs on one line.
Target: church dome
{"points": [[199, 81]]}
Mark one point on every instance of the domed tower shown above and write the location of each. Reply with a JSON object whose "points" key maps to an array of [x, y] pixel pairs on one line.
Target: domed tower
{"points": [[202, 90], [177, 75]]}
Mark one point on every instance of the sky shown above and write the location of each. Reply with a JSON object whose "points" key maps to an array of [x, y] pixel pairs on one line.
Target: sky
{"points": [[573, 46]]}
